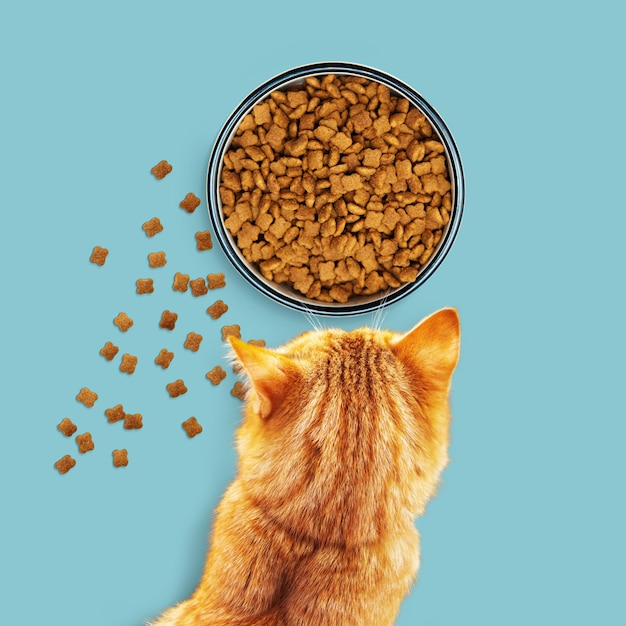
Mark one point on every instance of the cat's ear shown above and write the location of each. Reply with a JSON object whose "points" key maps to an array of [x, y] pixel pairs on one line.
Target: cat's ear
{"points": [[268, 372], [433, 344]]}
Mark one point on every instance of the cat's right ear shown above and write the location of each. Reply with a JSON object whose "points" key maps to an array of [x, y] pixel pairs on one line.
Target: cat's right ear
{"points": [[268, 372], [433, 344]]}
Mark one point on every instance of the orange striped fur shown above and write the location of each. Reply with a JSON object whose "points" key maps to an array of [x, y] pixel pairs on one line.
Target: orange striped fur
{"points": [[344, 437]]}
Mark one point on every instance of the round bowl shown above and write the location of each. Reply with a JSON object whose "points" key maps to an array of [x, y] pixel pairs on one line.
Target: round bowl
{"points": [[281, 292]]}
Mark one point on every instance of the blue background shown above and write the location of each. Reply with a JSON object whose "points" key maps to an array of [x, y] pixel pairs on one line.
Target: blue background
{"points": [[528, 526]]}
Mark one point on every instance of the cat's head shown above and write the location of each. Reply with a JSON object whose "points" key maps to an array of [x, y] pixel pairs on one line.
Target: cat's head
{"points": [[346, 433]]}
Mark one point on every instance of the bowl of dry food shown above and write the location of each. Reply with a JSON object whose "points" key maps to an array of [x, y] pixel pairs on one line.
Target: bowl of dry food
{"points": [[335, 188]]}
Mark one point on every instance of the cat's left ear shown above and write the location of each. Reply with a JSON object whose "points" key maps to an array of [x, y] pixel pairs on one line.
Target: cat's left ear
{"points": [[268, 372], [433, 344]]}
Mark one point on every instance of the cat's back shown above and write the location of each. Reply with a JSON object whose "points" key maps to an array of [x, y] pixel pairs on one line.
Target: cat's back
{"points": [[343, 440]]}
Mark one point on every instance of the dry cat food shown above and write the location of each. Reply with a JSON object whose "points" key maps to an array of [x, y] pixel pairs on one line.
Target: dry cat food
{"points": [[115, 414], [123, 322], [87, 397], [164, 358], [99, 255], [177, 388], [65, 464], [157, 259], [67, 427], [152, 227], [161, 169], [128, 364], [232, 330], [85, 443], [261, 343], [168, 320], [120, 458], [336, 188], [238, 390], [145, 285], [109, 350], [190, 203], [198, 287], [181, 282], [192, 427], [203, 240], [216, 281], [216, 375], [217, 309], [133, 421], [193, 341]]}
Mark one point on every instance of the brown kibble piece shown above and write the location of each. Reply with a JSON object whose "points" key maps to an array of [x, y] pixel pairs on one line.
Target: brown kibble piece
{"points": [[193, 342], [192, 427], [123, 322], [85, 443], [168, 320], [133, 421], [65, 464], [233, 330], [161, 169], [217, 309], [177, 388], [181, 282], [198, 287], [67, 427], [203, 240], [190, 203], [164, 358], [216, 281], [128, 364], [99, 255], [145, 285], [109, 350], [152, 227], [157, 259], [115, 414], [87, 397], [216, 375], [238, 390], [258, 342], [120, 458]]}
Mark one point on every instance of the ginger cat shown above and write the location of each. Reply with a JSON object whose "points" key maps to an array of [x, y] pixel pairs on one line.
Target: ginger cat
{"points": [[344, 437]]}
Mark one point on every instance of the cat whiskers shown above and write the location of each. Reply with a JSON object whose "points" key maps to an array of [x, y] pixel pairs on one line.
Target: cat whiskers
{"points": [[314, 320], [378, 316], [380, 312]]}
